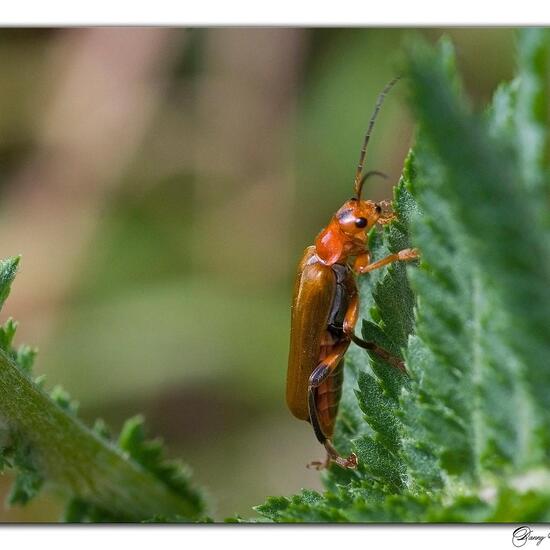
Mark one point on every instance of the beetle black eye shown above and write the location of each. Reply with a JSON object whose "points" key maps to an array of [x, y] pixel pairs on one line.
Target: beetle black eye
{"points": [[361, 222], [378, 209]]}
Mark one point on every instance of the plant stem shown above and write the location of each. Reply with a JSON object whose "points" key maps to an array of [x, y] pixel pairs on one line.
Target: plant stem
{"points": [[76, 459]]}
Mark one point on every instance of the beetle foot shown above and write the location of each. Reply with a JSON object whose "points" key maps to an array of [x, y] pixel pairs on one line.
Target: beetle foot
{"points": [[333, 456], [316, 465], [349, 463], [398, 364], [387, 215], [408, 254]]}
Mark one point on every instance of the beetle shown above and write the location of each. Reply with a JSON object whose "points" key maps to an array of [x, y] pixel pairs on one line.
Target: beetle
{"points": [[325, 308]]}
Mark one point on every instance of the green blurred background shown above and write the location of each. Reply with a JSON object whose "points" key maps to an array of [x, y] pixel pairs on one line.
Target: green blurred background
{"points": [[161, 185]]}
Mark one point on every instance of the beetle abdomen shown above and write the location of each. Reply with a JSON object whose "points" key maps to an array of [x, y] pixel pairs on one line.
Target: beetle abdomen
{"points": [[327, 398]]}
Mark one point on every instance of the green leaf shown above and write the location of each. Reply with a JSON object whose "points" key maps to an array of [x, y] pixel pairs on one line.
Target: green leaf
{"points": [[532, 113], [150, 455], [8, 269], [29, 479], [63, 399], [42, 439], [495, 333], [457, 439]]}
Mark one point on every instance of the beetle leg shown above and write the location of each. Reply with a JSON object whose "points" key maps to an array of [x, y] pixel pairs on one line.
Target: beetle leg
{"points": [[327, 365], [361, 260], [318, 376], [362, 264], [333, 456], [349, 329]]}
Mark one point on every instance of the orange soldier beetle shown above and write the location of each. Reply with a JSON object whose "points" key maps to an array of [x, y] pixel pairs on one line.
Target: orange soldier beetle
{"points": [[325, 308]]}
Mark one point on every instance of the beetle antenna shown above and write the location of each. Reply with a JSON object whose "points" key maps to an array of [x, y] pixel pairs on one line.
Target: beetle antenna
{"points": [[358, 184], [366, 177]]}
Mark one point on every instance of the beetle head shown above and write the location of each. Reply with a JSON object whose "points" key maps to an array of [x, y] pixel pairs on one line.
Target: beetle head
{"points": [[357, 217], [348, 229]]}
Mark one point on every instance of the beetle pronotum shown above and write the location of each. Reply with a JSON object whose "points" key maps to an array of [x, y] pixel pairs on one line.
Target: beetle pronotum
{"points": [[325, 308]]}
